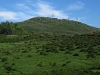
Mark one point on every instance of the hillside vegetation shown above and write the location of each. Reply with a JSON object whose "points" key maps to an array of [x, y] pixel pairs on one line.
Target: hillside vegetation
{"points": [[56, 26], [45, 54], [11, 28], [26, 53]]}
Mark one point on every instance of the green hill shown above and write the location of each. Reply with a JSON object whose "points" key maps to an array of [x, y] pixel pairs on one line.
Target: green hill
{"points": [[23, 53], [56, 26]]}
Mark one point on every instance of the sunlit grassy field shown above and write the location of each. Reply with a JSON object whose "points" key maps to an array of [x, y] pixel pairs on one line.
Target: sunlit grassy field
{"points": [[49, 55]]}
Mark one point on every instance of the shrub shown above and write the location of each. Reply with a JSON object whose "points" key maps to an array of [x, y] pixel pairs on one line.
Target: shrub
{"points": [[54, 64], [4, 59], [76, 54], [40, 64]]}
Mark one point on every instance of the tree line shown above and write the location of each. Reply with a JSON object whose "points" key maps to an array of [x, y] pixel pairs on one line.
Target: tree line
{"points": [[10, 28]]}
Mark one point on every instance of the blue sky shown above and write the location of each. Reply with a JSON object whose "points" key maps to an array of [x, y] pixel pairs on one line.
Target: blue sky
{"points": [[86, 11]]}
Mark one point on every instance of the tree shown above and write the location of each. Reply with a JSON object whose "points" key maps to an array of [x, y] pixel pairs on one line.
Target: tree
{"points": [[10, 28]]}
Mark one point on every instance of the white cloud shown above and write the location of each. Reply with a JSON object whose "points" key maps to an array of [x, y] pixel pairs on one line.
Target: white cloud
{"points": [[8, 15], [25, 11], [24, 8], [44, 9], [76, 6], [21, 16], [13, 16], [41, 9]]}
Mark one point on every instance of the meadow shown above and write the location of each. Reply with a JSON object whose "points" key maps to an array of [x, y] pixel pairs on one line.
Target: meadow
{"points": [[48, 54]]}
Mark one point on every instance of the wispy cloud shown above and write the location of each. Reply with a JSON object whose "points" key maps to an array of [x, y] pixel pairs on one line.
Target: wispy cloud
{"points": [[7, 15], [76, 6], [31, 9], [45, 9], [25, 11], [42, 9], [25, 8], [21, 16], [13, 16]]}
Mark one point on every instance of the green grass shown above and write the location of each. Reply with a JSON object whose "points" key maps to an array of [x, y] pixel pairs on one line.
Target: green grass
{"points": [[56, 26], [22, 58]]}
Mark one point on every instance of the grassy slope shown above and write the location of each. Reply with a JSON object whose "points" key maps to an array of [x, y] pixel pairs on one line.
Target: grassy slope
{"points": [[24, 58], [26, 55], [56, 26]]}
